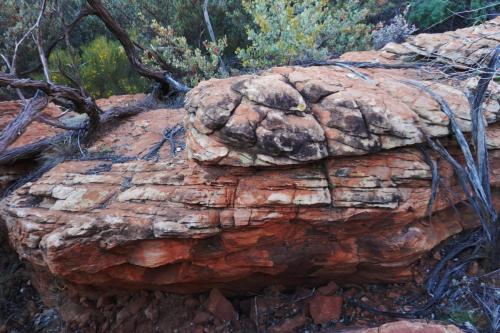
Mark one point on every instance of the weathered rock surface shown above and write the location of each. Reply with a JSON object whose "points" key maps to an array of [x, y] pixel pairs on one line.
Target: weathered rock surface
{"points": [[345, 200], [407, 326], [457, 49], [292, 115]]}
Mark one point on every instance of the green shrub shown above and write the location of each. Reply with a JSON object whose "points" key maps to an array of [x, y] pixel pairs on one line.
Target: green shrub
{"points": [[227, 17], [103, 68], [348, 30], [442, 14], [196, 64], [186, 19], [286, 31]]}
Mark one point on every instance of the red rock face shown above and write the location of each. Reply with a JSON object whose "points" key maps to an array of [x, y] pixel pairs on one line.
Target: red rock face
{"points": [[295, 176], [183, 227]]}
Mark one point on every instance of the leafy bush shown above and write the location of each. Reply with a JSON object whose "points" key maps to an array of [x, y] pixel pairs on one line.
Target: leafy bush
{"points": [[102, 66], [348, 30], [196, 64], [287, 31], [227, 16], [186, 19]]}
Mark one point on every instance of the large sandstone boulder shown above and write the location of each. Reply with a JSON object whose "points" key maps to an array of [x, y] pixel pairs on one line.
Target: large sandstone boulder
{"points": [[297, 175]]}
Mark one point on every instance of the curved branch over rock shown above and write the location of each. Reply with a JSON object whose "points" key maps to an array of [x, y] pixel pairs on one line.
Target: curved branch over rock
{"points": [[160, 76]]}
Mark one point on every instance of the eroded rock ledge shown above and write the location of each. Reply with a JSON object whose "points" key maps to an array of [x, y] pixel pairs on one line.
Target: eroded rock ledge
{"points": [[346, 199], [292, 115]]}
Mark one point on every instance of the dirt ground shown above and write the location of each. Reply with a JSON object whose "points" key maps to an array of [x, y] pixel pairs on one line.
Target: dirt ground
{"points": [[21, 309]]}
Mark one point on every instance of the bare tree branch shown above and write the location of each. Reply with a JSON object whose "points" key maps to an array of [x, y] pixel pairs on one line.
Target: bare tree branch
{"points": [[86, 11], [56, 123], [43, 58], [17, 126], [130, 50], [13, 64], [162, 77], [478, 126], [59, 93], [34, 149], [6, 61]]}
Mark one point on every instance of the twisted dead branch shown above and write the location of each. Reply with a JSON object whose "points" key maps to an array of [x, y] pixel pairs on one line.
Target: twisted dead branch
{"points": [[32, 150], [29, 111], [78, 99], [163, 77]]}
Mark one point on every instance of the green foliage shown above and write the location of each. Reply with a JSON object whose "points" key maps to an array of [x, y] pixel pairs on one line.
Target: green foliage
{"points": [[427, 14], [185, 17], [103, 69], [257, 33], [286, 31], [348, 30], [459, 315], [227, 17], [196, 64], [16, 17]]}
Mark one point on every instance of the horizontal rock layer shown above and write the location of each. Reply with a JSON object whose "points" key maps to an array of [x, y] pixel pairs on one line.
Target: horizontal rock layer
{"points": [[458, 49], [180, 226]]}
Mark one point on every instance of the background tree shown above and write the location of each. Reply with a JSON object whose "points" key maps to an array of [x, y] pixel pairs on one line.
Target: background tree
{"points": [[250, 33], [440, 15]]}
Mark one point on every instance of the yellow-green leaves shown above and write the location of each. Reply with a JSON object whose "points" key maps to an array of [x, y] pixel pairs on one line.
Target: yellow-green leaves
{"points": [[288, 30], [102, 66], [197, 64]]}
